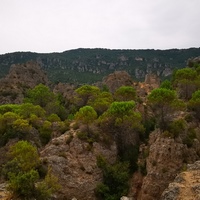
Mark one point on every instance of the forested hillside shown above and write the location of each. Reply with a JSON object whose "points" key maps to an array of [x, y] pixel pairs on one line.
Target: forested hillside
{"points": [[94, 142], [91, 65]]}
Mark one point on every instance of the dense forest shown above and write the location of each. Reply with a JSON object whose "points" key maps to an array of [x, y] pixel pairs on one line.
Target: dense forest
{"points": [[96, 115]]}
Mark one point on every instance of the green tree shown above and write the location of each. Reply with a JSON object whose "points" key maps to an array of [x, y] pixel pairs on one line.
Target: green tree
{"points": [[102, 102], [23, 176], [45, 132], [186, 81], [115, 179], [163, 103], [124, 125], [86, 93], [27, 109], [40, 95], [194, 104], [48, 186], [86, 115], [166, 84], [25, 154], [125, 93]]}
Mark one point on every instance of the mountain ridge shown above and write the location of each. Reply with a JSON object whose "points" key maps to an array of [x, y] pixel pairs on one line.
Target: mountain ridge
{"points": [[91, 65]]}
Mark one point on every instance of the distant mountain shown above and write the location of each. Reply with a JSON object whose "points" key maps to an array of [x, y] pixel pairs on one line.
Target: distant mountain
{"points": [[91, 65]]}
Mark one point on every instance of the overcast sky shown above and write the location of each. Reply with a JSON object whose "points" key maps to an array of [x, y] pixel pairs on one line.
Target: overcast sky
{"points": [[58, 25]]}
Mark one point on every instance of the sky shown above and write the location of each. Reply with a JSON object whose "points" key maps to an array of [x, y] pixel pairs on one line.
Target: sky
{"points": [[46, 26]]}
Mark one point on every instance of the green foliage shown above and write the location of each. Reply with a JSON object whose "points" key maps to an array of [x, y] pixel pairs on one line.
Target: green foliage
{"points": [[40, 95], [25, 154], [177, 127], [86, 93], [9, 108], [12, 126], [194, 104], [163, 103], [90, 136], [21, 125], [189, 138], [23, 183], [149, 126], [27, 109], [115, 179], [86, 115], [125, 93], [53, 118], [121, 109], [167, 85], [45, 132], [125, 125], [102, 102], [130, 155], [186, 80], [47, 187], [23, 176], [10, 117]]}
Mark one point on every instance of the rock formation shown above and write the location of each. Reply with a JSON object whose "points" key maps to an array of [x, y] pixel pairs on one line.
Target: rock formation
{"points": [[186, 184], [166, 158], [74, 163], [20, 78], [117, 79]]}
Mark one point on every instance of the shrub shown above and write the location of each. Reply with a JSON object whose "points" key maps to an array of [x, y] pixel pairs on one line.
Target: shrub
{"points": [[177, 127], [45, 132], [115, 179]]}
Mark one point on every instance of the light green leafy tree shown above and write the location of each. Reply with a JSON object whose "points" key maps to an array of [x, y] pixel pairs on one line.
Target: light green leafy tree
{"points": [[86, 115]]}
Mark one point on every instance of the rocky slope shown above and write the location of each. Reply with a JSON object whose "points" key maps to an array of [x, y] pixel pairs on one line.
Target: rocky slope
{"points": [[74, 162], [166, 157], [20, 78], [186, 185]]}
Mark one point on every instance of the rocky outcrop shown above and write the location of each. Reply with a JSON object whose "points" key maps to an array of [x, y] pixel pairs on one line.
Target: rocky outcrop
{"points": [[166, 158], [186, 185], [74, 162], [117, 79], [153, 80], [20, 78]]}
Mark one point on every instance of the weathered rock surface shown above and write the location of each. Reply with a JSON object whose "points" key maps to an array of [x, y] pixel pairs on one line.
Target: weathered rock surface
{"points": [[153, 80], [20, 78], [186, 185], [166, 159], [74, 163], [117, 79]]}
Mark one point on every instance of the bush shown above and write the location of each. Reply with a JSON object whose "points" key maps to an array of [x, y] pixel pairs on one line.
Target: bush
{"points": [[45, 132], [177, 127], [115, 179], [23, 173]]}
